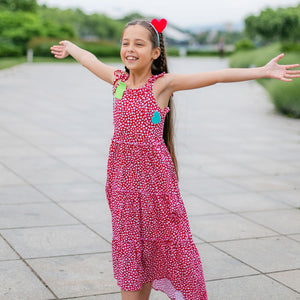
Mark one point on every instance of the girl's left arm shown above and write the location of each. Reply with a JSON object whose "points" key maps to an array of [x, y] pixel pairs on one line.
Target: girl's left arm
{"points": [[272, 69]]}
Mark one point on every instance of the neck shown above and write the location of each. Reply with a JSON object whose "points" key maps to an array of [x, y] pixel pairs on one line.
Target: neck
{"points": [[138, 78]]}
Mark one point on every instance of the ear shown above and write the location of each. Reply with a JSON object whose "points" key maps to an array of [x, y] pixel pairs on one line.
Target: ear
{"points": [[156, 53]]}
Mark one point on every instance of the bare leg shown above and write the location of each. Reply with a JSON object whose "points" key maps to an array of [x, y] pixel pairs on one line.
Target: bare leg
{"points": [[142, 294], [146, 290]]}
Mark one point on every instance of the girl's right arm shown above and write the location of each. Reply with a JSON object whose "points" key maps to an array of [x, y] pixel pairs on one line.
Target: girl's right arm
{"points": [[86, 58]]}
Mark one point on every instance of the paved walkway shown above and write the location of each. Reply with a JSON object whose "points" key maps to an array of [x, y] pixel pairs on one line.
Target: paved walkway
{"points": [[240, 180]]}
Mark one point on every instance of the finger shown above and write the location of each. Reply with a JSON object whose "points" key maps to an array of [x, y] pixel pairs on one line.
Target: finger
{"points": [[292, 76], [56, 52], [56, 48], [277, 58], [291, 66], [285, 79], [293, 72]]}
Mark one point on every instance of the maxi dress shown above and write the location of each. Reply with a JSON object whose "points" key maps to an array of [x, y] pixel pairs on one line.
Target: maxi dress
{"points": [[151, 237]]}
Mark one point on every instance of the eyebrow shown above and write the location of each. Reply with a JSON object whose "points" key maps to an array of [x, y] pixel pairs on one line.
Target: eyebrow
{"points": [[126, 39]]}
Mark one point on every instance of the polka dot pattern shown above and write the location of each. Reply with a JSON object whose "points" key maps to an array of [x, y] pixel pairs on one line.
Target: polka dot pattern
{"points": [[152, 241]]}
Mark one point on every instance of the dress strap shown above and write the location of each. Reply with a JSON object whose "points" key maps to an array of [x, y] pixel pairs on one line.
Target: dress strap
{"points": [[154, 77], [120, 75]]}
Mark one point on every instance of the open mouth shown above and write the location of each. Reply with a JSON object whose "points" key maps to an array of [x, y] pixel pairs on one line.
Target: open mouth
{"points": [[131, 58]]}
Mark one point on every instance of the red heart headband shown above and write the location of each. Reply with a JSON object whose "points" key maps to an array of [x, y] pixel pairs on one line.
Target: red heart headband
{"points": [[158, 27]]}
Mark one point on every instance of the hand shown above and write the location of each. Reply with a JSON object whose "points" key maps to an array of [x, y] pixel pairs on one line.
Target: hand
{"points": [[281, 72], [60, 51]]}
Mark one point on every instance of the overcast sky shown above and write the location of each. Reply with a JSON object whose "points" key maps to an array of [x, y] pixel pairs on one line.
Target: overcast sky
{"points": [[184, 13]]}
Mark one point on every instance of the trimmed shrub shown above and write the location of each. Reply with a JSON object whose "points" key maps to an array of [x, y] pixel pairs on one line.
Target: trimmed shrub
{"points": [[244, 44], [284, 95], [41, 47]]}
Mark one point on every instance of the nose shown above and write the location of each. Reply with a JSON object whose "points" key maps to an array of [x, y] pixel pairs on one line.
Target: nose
{"points": [[130, 48]]}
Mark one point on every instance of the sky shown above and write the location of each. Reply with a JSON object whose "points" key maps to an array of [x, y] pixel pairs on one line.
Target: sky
{"points": [[184, 13]]}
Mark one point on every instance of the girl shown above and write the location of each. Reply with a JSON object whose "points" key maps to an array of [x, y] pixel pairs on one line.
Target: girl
{"points": [[152, 244]]}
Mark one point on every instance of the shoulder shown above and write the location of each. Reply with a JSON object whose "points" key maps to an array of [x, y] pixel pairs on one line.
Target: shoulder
{"points": [[120, 75], [163, 80]]}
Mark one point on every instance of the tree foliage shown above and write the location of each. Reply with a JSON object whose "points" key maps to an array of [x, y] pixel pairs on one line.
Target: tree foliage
{"points": [[282, 24], [23, 5]]}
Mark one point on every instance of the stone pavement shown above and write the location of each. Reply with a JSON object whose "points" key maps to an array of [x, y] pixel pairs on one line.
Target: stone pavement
{"points": [[239, 177]]}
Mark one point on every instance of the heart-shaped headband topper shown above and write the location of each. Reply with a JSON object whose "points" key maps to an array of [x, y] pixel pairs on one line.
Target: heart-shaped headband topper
{"points": [[158, 27]]}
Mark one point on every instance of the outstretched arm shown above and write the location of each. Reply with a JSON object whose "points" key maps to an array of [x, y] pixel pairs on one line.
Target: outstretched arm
{"points": [[271, 70], [86, 58]]}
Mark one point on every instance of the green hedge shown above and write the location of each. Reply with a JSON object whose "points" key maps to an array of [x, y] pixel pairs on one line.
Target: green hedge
{"points": [[41, 47], [285, 95]]}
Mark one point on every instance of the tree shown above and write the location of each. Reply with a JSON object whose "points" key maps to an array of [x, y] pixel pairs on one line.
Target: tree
{"points": [[271, 25], [24, 5]]}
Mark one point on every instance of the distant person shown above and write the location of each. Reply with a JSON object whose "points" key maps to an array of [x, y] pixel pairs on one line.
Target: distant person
{"points": [[152, 244], [221, 47]]}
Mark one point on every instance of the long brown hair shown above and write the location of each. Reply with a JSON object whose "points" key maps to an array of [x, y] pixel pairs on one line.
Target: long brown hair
{"points": [[159, 66]]}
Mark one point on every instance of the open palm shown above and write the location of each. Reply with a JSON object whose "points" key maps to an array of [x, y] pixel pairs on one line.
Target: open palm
{"points": [[282, 72]]}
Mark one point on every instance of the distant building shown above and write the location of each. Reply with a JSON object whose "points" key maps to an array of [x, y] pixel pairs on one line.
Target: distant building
{"points": [[176, 37]]}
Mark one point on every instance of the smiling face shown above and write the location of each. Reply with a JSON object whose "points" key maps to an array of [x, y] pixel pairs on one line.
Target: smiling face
{"points": [[137, 52]]}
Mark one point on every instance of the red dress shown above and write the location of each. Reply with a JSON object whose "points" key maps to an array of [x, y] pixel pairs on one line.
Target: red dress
{"points": [[152, 241]]}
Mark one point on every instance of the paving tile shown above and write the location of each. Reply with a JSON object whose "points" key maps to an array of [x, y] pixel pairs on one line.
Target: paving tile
{"points": [[289, 278], [219, 265], [208, 186], [55, 241], [196, 160], [95, 173], [240, 202], [257, 287], [270, 254], [19, 282], [43, 170], [89, 211], [197, 206], [77, 275], [67, 149], [35, 214], [189, 172], [8, 177], [273, 167], [226, 227], [262, 183], [282, 221], [295, 237], [290, 197], [6, 252], [20, 194], [86, 161], [228, 170], [60, 192], [103, 228]]}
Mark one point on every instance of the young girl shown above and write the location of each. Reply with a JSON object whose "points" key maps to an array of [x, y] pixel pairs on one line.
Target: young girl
{"points": [[152, 244]]}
